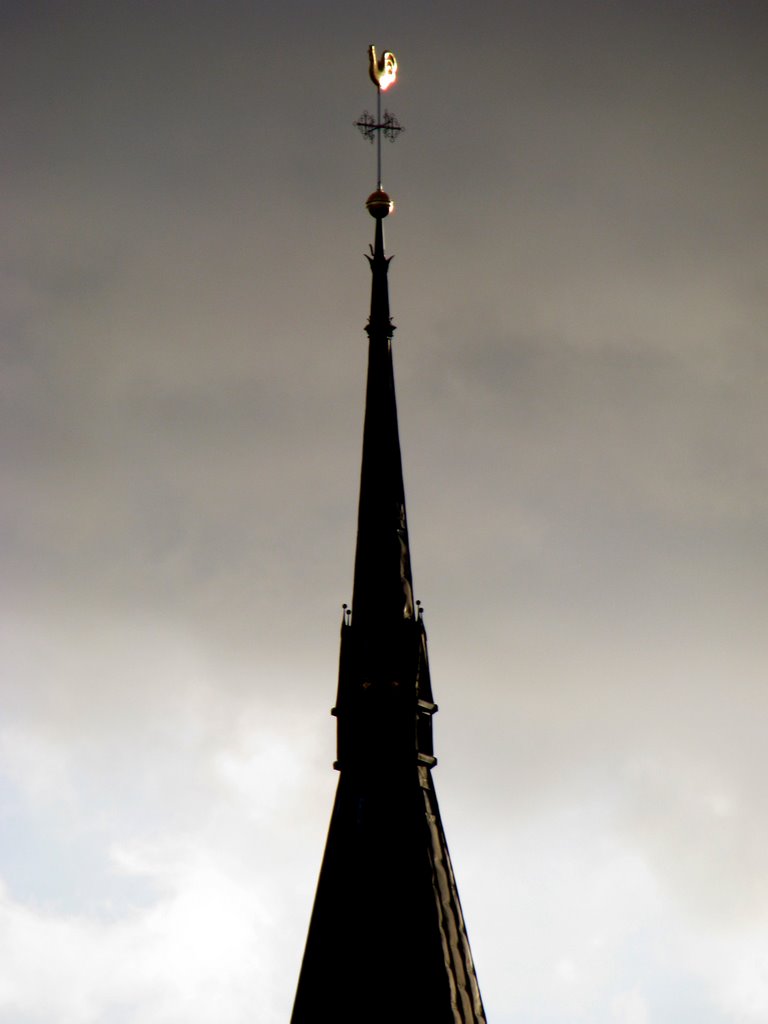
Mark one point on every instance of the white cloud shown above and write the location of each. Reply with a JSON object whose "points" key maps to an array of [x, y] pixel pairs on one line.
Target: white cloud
{"points": [[38, 766], [630, 1008], [203, 951]]}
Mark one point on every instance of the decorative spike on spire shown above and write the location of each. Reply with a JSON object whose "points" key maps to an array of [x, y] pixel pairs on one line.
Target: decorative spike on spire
{"points": [[387, 940]]}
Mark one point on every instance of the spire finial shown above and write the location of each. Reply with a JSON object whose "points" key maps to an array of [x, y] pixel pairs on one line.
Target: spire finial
{"points": [[383, 74]]}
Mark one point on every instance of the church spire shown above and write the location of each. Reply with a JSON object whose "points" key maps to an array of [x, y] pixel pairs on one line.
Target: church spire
{"points": [[383, 588], [387, 940]]}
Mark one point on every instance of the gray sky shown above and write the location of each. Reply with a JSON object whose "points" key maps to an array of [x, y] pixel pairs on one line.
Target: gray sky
{"points": [[579, 288]]}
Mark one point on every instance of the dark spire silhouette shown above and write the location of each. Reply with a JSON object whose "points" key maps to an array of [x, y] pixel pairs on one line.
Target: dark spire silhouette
{"points": [[387, 941], [383, 590]]}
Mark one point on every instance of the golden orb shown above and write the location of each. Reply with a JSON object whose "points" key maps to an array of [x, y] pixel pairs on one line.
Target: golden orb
{"points": [[379, 204]]}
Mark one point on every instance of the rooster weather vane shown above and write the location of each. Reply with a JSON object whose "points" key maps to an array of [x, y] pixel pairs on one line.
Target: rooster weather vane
{"points": [[383, 73]]}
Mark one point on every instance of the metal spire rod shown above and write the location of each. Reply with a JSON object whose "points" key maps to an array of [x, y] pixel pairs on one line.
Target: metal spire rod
{"points": [[378, 137]]}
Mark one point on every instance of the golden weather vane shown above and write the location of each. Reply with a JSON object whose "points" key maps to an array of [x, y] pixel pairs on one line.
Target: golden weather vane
{"points": [[383, 73]]}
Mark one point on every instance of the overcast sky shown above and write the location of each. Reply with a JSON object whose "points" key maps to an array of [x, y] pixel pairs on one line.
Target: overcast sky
{"points": [[579, 286]]}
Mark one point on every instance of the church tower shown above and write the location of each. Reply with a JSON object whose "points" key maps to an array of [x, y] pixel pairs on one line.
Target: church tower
{"points": [[387, 941]]}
